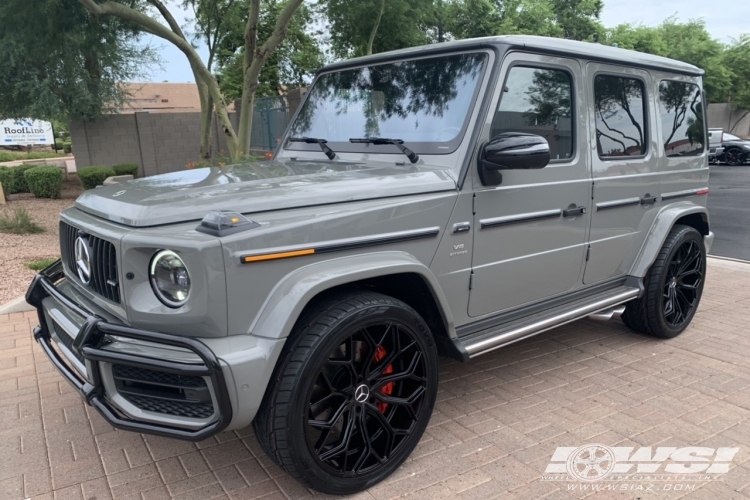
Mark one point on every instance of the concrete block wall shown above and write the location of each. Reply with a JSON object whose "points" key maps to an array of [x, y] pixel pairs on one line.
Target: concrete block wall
{"points": [[735, 121]]}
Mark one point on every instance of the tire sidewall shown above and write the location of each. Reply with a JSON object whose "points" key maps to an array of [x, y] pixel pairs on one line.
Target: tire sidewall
{"points": [[667, 330], [370, 314]]}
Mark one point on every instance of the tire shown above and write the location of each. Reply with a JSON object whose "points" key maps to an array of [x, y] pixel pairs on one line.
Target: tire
{"points": [[674, 286], [333, 373], [734, 157]]}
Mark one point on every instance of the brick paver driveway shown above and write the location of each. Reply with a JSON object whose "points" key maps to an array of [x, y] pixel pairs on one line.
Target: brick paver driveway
{"points": [[497, 422]]}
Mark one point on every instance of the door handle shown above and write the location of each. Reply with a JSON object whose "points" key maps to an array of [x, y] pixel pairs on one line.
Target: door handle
{"points": [[572, 212], [648, 200]]}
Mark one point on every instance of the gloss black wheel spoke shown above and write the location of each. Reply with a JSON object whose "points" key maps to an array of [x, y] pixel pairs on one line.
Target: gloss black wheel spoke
{"points": [[683, 280], [366, 398]]}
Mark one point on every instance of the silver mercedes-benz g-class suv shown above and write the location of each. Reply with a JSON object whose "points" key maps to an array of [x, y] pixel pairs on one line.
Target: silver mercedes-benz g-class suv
{"points": [[449, 199]]}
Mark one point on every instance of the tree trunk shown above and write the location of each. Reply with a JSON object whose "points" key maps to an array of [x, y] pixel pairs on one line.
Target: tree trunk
{"points": [[207, 113], [375, 28]]}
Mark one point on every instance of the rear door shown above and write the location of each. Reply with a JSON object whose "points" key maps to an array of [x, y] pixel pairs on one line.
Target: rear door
{"points": [[624, 159], [525, 249]]}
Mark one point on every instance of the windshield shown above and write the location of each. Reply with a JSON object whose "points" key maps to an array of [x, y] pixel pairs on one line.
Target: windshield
{"points": [[424, 102], [730, 137]]}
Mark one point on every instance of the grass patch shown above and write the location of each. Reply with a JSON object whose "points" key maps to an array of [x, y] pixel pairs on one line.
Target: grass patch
{"points": [[19, 223], [38, 265], [34, 155]]}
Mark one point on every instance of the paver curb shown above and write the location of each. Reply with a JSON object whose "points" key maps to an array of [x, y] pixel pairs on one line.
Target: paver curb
{"points": [[18, 304]]}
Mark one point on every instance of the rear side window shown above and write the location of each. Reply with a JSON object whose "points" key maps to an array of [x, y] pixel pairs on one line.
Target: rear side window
{"points": [[620, 116], [538, 101], [681, 111]]}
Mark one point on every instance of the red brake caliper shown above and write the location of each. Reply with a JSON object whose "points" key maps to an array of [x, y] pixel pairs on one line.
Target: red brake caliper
{"points": [[387, 389]]}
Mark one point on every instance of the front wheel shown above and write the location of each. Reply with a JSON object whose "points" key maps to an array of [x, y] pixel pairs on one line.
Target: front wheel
{"points": [[674, 286], [352, 394], [734, 157]]}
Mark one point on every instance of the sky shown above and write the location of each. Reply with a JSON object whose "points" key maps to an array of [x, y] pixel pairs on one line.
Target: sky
{"points": [[725, 19]]}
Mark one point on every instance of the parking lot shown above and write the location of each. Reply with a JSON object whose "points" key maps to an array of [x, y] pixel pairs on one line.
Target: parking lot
{"points": [[729, 209], [497, 423]]}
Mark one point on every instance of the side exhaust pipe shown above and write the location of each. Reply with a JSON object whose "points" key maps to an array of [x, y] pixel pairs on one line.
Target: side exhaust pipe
{"points": [[608, 314]]}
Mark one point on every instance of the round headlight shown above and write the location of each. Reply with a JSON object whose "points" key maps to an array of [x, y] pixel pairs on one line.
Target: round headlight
{"points": [[169, 278]]}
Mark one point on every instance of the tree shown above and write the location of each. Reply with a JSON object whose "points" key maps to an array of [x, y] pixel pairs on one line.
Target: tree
{"points": [[737, 60], [578, 19], [254, 58], [57, 65], [354, 28], [292, 63]]}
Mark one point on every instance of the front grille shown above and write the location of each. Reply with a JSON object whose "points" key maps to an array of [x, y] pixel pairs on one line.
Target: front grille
{"points": [[103, 261], [67, 341], [161, 392]]}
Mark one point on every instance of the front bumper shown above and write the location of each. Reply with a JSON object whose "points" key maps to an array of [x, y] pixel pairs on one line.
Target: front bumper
{"points": [[96, 386]]}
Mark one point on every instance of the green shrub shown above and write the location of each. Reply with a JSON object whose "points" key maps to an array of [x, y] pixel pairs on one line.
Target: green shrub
{"points": [[126, 169], [6, 179], [94, 175], [67, 147], [22, 155], [19, 223], [45, 182], [19, 177], [58, 144]]}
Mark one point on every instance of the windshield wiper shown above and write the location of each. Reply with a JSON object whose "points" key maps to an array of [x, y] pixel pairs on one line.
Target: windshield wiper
{"points": [[320, 142], [413, 157]]}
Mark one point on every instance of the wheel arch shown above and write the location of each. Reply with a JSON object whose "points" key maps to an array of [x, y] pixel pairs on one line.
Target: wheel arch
{"points": [[686, 213], [397, 274]]}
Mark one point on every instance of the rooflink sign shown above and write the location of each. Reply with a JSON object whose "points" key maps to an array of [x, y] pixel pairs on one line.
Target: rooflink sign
{"points": [[25, 132]]}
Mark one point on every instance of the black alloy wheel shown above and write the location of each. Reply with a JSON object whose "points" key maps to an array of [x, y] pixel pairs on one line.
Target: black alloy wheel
{"points": [[734, 157], [352, 393], [683, 280], [673, 286]]}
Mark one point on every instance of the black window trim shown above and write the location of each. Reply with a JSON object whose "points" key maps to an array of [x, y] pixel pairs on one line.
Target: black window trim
{"points": [[646, 114], [705, 119], [573, 100]]}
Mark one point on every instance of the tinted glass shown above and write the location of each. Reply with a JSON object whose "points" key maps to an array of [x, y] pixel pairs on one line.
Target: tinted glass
{"points": [[424, 102], [537, 101], [620, 116], [681, 110]]}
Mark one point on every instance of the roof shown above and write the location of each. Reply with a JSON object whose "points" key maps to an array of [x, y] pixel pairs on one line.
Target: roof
{"points": [[560, 46], [161, 97]]}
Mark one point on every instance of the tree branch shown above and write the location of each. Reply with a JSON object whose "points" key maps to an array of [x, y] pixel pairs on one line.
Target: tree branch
{"points": [[375, 28], [167, 17]]}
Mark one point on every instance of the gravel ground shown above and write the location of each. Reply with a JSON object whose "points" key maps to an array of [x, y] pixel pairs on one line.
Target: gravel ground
{"points": [[16, 249]]}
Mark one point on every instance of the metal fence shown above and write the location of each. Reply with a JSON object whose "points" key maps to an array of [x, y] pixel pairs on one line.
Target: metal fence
{"points": [[270, 119]]}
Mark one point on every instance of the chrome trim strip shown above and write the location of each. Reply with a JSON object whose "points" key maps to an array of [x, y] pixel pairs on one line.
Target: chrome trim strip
{"points": [[626, 202], [349, 243], [487, 345], [515, 219], [681, 194]]}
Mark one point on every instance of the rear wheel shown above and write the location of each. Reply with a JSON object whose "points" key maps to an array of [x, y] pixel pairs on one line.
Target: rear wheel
{"points": [[674, 286], [734, 157], [352, 395]]}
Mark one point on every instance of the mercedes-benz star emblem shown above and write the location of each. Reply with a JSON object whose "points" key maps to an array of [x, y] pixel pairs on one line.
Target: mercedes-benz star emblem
{"points": [[361, 393], [83, 261]]}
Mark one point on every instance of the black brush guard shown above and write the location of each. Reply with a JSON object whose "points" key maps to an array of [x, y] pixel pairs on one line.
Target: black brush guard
{"points": [[88, 343]]}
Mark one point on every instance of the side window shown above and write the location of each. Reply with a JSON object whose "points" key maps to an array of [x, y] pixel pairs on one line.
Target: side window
{"points": [[538, 101], [681, 111], [620, 116]]}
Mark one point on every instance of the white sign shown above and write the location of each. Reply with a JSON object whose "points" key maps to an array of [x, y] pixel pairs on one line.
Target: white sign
{"points": [[25, 132]]}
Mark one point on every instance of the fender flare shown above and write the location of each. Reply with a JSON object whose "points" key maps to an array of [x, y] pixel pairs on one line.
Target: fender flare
{"points": [[659, 231], [292, 293]]}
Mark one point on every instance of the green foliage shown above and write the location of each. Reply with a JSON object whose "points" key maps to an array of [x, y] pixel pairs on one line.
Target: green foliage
{"points": [[19, 155], [19, 223], [19, 179], [6, 179], [44, 182], [60, 62], [737, 60], [67, 148], [38, 265], [126, 169], [293, 62], [94, 175]]}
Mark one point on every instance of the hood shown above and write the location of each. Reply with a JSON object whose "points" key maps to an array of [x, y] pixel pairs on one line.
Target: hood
{"points": [[256, 187]]}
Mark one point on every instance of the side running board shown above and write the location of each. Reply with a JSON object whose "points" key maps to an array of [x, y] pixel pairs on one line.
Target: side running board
{"points": [[501, 335]]}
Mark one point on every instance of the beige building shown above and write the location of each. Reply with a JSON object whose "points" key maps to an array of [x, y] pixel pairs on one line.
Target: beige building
{"points": [[161, 98]]}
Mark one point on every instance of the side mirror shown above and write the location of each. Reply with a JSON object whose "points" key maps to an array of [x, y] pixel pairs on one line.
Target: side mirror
{"points": [[510, 151]]}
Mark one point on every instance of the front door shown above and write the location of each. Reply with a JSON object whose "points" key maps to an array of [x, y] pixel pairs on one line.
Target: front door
{"points": [[530, 230]]}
